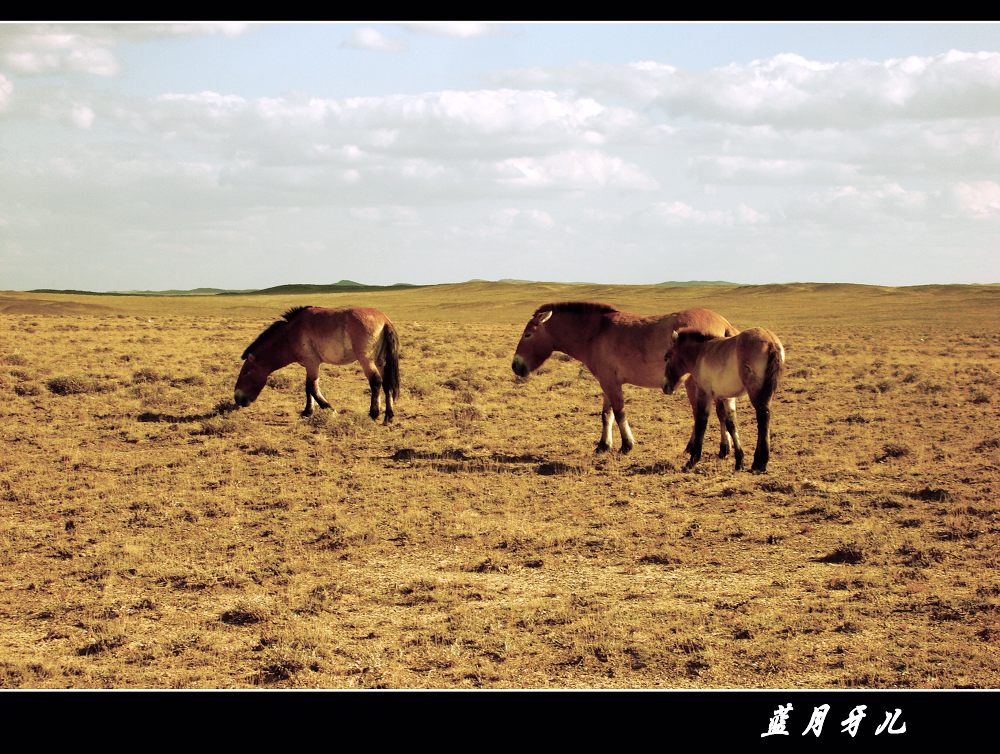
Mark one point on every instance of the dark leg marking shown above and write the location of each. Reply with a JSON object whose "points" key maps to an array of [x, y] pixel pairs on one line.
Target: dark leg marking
{"points": [[762, 453], [700, 424], [737, 448], [375, 383], [722, 412]]}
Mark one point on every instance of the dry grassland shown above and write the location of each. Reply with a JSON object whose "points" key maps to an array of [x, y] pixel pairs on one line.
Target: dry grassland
{"points": [[151, 537]]}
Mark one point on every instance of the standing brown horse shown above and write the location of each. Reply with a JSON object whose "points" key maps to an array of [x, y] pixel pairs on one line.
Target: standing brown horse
{"points": [[750, 362], [618, 348], [313, 335]]}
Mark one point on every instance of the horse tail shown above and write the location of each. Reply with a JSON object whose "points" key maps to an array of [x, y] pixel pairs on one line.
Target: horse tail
{"points": [[773, 371], [387, 359]]}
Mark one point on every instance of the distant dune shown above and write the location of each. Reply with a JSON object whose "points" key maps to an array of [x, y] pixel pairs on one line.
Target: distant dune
{"points": [[11, 305]]}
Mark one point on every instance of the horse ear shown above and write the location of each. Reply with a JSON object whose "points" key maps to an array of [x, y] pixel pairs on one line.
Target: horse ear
{"points": [[675, 336], [545, 317]]}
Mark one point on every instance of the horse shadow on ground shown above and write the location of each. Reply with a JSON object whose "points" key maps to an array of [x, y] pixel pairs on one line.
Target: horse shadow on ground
{"points": [[220, 410], [455, 461]]}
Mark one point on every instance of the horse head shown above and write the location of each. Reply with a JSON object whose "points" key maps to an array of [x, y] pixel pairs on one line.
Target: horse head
{"points": [[253, 377], [535, 345], [681, 356]]}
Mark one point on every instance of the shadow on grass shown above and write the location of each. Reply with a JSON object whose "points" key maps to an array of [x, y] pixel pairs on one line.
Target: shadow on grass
{"points": [[221, 408]]}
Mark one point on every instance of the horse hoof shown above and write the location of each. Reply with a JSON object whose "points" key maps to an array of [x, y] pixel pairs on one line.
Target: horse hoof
{"points": [[324, 405], [626, 449], [373, 415], [307, 413], [602, 447], [723, 451], [387, 420]]}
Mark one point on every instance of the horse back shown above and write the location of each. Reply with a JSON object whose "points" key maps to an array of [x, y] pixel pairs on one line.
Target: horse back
{"points": [[339, 336]]}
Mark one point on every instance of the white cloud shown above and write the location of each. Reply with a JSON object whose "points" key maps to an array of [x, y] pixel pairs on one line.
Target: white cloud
{"points": [[82, 116], [37, 49], [462, 29], [367, 38], [473, 125], [682, 213], [27, 51], [791, 91], [979, 199], [859, 205], [738, 169], [574, 170], [529, 218], [393, 215], [6, 90]]}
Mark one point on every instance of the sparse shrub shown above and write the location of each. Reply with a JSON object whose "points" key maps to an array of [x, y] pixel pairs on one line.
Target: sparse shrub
{"points": [[850, 553], [247, 611], [147, 375], [75, 385], [892, 450], [27, 388], [992, 444], [980, 397], [14, 360], [466, 412], [933, 494]]}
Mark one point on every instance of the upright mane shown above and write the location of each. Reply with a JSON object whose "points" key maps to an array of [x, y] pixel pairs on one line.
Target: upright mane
{"points": [[576, 307], [274, 327]]}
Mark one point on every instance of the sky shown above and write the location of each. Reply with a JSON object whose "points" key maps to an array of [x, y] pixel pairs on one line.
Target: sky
{"points": [[153, 156]]}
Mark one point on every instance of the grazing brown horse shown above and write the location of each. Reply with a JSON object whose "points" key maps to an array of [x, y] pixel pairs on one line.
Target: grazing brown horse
{"points": [[618, 348], [751, 362], [313, 335]]}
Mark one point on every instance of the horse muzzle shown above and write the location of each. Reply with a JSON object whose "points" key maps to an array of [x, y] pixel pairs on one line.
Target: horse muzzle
{"points": [[241, 399], [519, 367], [668, 386]]}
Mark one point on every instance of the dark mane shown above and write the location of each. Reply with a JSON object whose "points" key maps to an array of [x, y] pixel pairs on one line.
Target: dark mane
{"points": [[576, 307], [294, 312], [274, 327]]}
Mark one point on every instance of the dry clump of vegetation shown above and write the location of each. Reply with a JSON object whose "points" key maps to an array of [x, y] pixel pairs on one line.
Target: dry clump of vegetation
{"points": [[157, 537]]}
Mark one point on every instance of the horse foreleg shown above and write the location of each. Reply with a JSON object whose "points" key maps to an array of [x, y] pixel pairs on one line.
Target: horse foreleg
{"points": [[605, 444], [312, 391], [702, 411], [617, 399], [727, 435], [730, 421]]}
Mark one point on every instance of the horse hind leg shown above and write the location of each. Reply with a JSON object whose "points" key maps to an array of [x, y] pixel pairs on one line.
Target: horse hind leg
{"points": [[389, 408], [375, 383]]}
